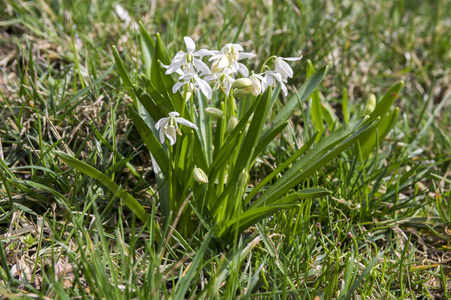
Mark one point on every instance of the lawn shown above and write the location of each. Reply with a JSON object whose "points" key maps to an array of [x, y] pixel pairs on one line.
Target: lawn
{"points": [[225, 149]]}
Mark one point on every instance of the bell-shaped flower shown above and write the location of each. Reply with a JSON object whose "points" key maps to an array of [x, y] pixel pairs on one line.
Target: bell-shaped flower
{"points": [[193, 79], [182, 59], [253, 86], [271, 78], [283, 68], [169, 127], [229, 56], [223, 80]]}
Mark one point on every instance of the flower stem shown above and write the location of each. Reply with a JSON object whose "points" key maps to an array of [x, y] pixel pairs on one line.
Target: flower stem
{"points": [[265, 63]]}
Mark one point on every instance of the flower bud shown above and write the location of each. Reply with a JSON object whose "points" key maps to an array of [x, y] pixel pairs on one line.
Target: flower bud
{"points": [[238, 93], [232, 123], [242, 83], [214, 112], [370, 105], [199, 175]]}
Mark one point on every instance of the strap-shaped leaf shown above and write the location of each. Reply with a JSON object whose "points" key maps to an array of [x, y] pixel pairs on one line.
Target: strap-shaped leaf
{"points": [[316, 110], [127, 83], [249, 218], [303, 194], [247, 147], [385, 125], [147, 47], [387, 101], [311, 165], [128, 199], [280, 168], [263, 142], [303, 93], [151, 141]]}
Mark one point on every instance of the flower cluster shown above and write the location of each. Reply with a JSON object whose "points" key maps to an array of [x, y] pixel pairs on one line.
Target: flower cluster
{"points": [[196, 75]]}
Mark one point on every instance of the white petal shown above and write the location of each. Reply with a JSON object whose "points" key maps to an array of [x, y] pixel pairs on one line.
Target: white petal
{"points": [[284, 88], [237, 46], [218, 57], [244, 55], [161, 123], [201, 66], [243, 70], [171, 134], [177, 86], [174, 66], [228, 86], [292, 58], [173, 114], [190, 46], [278, 77], [203, 52], [162, 135], [185, 122], [234, 66], [204, 87], [286, 69]]}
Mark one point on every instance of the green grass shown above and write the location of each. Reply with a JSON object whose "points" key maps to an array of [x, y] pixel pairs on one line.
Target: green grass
{"points": [[383, 232]]}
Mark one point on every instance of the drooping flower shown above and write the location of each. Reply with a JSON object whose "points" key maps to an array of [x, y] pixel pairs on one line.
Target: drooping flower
{"points": [[193, 80], [189, 59], [283, 68], [271, 78], [254, 86], [282, 71], [169, 127], [229, 56], [222, 80]]}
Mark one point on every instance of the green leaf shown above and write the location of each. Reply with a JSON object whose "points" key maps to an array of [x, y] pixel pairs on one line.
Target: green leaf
{"points": [[127, 83], [193, 268], [387, 101], [155, 109], [279, 169], [151, 141], [264, 142], [128, 199], [362, 277], [316, 110], [163, 83], [309, 193], [248, 146], [302, 93], [253, 133], [315, 159], [147, 47], [249, 218], [385, 125]]}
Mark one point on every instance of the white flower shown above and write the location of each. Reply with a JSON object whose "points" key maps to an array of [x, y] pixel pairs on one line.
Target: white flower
{"points": [[229, 56], [190, 79], [256, 87], [188, 60], [284, 69], [271, 78], [169, 127], [253, 86], [222, 80]]}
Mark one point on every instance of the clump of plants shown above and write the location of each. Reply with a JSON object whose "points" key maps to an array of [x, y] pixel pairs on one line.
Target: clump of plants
{"points": [[205, 119]]}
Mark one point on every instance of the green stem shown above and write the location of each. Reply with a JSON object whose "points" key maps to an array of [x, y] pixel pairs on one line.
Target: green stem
{"points": [[170, 180], [265, 63]]}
